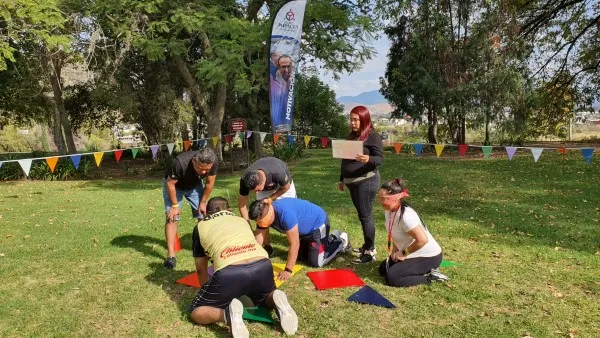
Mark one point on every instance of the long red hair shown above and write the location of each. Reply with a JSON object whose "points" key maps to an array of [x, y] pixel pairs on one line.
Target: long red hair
{"points": [[364, 116]]}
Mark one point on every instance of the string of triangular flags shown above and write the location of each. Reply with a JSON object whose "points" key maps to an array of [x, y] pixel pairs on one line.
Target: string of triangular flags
{"points": [[229, 138], [536, 152]]}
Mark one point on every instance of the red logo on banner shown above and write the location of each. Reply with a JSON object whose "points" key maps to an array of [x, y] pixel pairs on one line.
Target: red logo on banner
{"points": [[290, 16]]}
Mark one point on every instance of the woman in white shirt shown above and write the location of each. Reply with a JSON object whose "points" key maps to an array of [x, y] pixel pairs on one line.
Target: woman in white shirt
{"points": [[414, 255]]}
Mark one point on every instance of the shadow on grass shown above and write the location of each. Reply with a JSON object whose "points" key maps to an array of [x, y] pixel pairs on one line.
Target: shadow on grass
{"points": [[146, 244]]}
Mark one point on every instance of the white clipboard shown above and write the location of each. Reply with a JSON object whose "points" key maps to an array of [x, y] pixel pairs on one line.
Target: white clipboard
{"points": [[346, 149]]}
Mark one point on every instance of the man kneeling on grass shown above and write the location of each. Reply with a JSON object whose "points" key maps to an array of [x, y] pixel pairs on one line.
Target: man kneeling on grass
{"points": [[241, 268]]}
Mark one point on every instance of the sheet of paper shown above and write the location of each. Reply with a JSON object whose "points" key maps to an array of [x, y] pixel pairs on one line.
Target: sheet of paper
{"points": [[346, 149]]}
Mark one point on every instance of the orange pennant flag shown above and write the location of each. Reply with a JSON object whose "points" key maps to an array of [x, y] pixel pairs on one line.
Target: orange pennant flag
{"points": [[397, 147], [52, 163], [98, 157], [562, 150], [275, 138], [439, 148], [177, 243], [186, 144]]}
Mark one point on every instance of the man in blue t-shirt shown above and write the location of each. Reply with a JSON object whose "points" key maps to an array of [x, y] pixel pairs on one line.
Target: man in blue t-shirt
{"points": [[306, 226]]}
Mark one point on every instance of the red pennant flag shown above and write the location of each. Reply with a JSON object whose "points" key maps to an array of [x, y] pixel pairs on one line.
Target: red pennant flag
{"points": [[462, 149], [275, 138], [397, 147], [228, 139], [186, 144], [118, 154], [562, 150], [177, 244], [324, 141]]}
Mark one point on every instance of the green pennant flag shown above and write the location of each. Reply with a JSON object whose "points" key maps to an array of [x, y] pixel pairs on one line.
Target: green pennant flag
{"points": [[242, 136], [258, 314], [134, 151], [487, 150]]}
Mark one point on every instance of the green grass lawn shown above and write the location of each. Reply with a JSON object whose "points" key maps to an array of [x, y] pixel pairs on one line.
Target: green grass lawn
{"points": [[85, 258]]}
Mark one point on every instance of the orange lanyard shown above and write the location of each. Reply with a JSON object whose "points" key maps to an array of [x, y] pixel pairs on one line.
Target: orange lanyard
{"points": [[390, 226]]}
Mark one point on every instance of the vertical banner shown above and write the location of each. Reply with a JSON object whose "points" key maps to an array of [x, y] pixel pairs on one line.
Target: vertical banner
{"points": [[283, 63]]}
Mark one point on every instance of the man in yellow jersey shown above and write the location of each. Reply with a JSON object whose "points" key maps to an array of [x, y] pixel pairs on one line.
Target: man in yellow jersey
{"points": [[241, 267]]}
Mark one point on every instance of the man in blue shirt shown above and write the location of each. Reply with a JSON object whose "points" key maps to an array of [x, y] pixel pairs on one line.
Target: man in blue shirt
{"points": [[306, 226]]}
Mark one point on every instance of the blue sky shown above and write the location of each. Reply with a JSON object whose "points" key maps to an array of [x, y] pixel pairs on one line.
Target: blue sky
{"points": [[363, 80]]}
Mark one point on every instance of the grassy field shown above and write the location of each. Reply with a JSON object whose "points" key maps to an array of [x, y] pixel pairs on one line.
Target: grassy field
{"points": [[85, 258]]}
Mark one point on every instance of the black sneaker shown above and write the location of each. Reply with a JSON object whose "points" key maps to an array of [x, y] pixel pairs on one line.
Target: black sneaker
{"points": [[170, 262], [436, 276], [269, 249], [287, 315], [233, 318], [358, 251], [367, 256]]}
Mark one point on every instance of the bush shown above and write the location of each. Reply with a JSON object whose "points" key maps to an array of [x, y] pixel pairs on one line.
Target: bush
{"points": [[288, 152]]}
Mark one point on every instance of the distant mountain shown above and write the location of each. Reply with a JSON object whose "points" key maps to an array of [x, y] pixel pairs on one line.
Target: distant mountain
{"points": [[366, 98]]}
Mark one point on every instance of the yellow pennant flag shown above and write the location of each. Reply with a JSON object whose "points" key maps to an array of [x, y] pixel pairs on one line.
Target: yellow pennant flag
{"points": [[52, 163], [215, 141], [306, 140], [278, 267], [98, 157], [438, 149]]}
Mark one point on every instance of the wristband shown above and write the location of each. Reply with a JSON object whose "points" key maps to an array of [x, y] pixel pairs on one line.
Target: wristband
{"points": [[406, 252], [175, 205], [287, 269]]}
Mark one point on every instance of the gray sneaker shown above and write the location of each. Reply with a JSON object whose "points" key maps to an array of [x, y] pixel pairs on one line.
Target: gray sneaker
{"points": [[367, 256], [346, 247], [436, 276], [287, 315], [233, 316]]}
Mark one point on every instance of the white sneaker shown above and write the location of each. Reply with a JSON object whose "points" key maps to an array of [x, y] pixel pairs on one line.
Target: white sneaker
{"points": [[336, 233], [436, 276], [235, 310], [287, 315], [345, 242]]}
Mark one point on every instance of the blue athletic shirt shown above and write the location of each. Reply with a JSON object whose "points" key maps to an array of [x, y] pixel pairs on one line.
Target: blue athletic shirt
{"points": [[292, 211]]}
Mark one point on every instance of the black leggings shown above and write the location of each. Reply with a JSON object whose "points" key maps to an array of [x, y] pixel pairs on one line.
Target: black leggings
{"points": [[409, 272], [363, 195]]}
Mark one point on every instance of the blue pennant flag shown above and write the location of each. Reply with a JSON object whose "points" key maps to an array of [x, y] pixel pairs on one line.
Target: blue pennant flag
{"points": [[75, 159], [291, 139], [587, 154], [366, 295], [418, 148], [202, 143]]}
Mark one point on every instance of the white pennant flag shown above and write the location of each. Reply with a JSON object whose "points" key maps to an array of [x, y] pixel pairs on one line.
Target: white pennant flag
{"points": [[262, 136], [536, 152], [26, 166], [170, 146]]}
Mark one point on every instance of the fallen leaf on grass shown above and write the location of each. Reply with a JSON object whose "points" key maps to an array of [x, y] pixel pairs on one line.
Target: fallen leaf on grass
{"points": [[1, 254]]}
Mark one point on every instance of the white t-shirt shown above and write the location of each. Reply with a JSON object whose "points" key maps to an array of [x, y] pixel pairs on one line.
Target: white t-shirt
{"points": [[403, 240]]}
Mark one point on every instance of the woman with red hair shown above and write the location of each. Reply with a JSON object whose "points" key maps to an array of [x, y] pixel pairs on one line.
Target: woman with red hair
{"points": [[361, 176]]}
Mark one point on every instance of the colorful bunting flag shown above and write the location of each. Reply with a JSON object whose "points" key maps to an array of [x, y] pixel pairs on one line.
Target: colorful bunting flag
{"points": [[98, 156], [25, 165], [510, 151], [262, 136], [324, 141], [397, 147], [134, 152], [170, 147], [228, 139], [418, 148], [75, 159], [536, 152], [215, 140], [306, 140], [291, 139], [186, 144], [242, 136], [562, 150], [587, 154], [52, 163], [154, 148], [249, 134], [202, 143], [462, 149], [275, 138], [118, 154], [438, 149], [1, 163], [487, 150]]}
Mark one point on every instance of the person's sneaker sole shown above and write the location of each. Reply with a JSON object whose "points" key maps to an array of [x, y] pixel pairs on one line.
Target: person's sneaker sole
{"points": [[238, 328], [287, 315]]}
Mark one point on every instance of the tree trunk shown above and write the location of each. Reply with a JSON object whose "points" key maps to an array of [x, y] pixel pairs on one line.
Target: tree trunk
{"points": [[62, 118], [463, 130], [59, 140], [487, 130], [432, 125], [215, 119]]}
